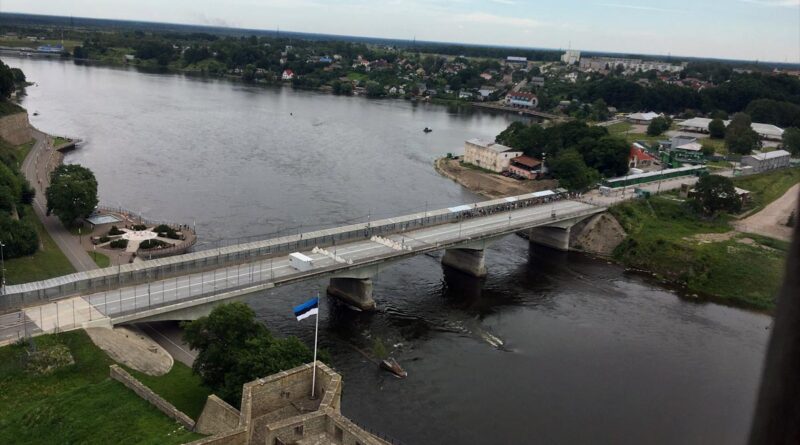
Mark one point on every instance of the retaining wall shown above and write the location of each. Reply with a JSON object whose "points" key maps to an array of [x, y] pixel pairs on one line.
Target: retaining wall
{"points": [[15, 128], [154, 399]]}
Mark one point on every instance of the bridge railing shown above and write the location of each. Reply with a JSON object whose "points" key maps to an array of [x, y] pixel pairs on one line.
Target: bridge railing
{"points": [[125, 275], [252, 275]]}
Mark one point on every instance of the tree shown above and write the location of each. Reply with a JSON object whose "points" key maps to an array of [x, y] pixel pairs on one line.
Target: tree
{"points": [[740, 136], [658, 126], [791, 141], [20, 239], [249, 73], [6, 81], [716, 128], [234, 348], [374, 89], [72, 193], [714, 194], [571, 170]]}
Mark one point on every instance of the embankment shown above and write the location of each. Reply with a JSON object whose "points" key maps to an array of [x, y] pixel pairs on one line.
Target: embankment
{"points": [[15, 128]]}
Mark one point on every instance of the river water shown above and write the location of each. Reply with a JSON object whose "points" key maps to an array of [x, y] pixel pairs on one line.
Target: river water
{"points": [[549, 348]]}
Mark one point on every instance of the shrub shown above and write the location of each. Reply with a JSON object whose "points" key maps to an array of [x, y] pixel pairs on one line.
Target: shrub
{"points": [[152, 244], [139, 227], [104, 239], [162, 228], [119, 244], [115, 231], [20, 239]]}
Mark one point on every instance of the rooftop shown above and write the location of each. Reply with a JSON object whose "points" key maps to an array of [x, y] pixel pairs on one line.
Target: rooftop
{"points": [[771, 155], [527, 161], [489, 145]]}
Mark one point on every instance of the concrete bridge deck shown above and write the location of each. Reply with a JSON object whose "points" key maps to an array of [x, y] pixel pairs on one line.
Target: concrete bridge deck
{"points": [[192, 294]]}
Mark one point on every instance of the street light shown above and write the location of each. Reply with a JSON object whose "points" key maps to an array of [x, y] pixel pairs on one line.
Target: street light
{"points": [[3, 270]]}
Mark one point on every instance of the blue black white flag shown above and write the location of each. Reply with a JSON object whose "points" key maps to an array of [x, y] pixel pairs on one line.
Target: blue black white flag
{"points": [[307, 309]]}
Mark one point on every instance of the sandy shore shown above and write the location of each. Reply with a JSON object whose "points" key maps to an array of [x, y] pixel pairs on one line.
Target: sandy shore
{"points": [[489, 185]]}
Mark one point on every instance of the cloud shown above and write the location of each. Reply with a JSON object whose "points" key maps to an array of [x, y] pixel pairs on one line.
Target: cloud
{"points": [[779, 3], [498, 20], [640, 8]]}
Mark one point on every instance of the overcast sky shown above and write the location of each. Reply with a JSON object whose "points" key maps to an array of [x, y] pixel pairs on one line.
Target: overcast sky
{"points": [[738, 29]]}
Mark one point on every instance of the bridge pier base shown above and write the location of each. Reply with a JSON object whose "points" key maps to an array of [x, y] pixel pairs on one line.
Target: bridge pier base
{"points": [[354, 291], [469, 261], [553, 237]]}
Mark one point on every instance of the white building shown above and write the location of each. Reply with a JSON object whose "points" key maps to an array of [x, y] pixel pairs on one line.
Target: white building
{"points": [[700, 125], [643, 118], [489, 155], [767, 161], [521, 100], [571, 57], [287, 75]]}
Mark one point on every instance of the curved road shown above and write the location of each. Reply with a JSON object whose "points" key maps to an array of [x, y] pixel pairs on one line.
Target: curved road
{"points": [[35, 168]]}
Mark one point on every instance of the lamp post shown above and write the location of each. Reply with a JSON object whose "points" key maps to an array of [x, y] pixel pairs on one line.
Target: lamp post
{"points": [[2, 270]]}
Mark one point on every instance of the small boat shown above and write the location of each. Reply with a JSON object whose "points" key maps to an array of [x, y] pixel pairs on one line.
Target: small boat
{"points": [[427, 130], [35, 113], [392, 366]]}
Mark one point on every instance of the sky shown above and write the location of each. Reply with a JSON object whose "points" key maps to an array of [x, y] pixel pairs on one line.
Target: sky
{"points": [[767, 30]]}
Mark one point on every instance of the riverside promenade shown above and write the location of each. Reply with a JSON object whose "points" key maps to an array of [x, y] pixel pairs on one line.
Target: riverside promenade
{"points": [[41, 160]]}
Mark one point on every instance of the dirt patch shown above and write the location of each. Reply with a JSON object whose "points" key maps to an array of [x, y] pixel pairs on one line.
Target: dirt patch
{"points": [[599, 235], [489, 185], [772, 220], [133, 349], [707, 238]]}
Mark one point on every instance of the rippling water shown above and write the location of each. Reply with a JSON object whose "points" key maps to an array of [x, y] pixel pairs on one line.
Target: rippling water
{"points": [[549, 348]]}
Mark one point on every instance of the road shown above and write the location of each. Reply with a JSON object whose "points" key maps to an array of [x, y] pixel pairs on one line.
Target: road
{"points": [[71, 313], [36, 167]]}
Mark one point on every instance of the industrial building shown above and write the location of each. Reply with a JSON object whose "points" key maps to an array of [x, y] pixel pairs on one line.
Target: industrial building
{"points": [[659, 175], [700, 125], [767, 161]]}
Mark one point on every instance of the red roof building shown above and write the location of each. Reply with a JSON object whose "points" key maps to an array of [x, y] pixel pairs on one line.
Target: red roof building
{"points": [[525, 166], [639, 157]]}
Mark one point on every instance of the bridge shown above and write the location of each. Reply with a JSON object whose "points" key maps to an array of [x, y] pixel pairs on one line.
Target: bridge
{"points": [[185, 287]]}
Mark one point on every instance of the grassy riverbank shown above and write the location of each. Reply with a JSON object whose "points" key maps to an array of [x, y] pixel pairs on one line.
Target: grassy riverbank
{"points": [[707, 256], [48, 262], [80, 403]]}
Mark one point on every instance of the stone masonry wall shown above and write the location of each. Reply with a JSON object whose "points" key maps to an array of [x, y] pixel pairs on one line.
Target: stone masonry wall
{"points": [[15, 128], [154, 399], [217, 417]]}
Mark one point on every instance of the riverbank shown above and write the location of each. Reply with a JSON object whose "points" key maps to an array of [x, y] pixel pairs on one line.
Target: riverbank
{"points": [[487, 184], [722, 260]]}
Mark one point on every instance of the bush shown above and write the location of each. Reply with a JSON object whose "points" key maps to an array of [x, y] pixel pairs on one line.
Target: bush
{"points": [[119, 244], [162, 228], [104, 239], [152, 244], [658, 126], [115, 231], [139, 227]]}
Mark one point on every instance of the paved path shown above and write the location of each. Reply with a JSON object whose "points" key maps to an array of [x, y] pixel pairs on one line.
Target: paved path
{"points": [[36, 167]]}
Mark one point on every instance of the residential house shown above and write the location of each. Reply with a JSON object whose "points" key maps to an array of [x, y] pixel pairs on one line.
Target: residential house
{"points": [[287, 74], [518, 61], [571, 77], [643, 118], [521, 100], [489, 155], [537, 82], [639, 157], [486, 92], [525, 166]]}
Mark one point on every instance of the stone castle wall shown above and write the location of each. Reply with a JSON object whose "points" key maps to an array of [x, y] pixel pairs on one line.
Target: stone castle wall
{"points": [[217, 417]]}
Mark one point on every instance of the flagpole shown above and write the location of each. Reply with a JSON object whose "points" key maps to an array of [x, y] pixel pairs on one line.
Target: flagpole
{"points": [[316, 332]]}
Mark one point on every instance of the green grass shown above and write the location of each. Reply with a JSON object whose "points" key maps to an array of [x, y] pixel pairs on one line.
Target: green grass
{"points": [[59, 141], [7, 108], [180, 387], [767, 187], [48, 262], [475, 167], [620, 128], [99, 259], [660, 240], [77, 403], [357, 76]]}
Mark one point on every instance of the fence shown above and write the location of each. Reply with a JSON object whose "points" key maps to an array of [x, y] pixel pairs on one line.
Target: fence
{"points": [[158, 269]]}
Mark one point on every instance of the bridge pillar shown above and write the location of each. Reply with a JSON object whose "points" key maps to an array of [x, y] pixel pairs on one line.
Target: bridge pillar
{"points": [[554, 237], [353, 291], [469, 261]]}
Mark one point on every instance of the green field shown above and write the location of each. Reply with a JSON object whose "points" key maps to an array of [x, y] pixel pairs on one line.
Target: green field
{"points": [[180, 387], [662, 239], [16, 42], [77, 403], [48, 262], [59, 141], [668, 239]]}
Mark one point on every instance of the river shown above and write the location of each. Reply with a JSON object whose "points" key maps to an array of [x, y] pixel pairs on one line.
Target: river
{"points": [[589, 354]]}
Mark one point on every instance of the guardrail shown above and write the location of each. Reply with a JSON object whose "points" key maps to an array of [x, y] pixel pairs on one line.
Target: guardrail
{"points": [[19, 296]]}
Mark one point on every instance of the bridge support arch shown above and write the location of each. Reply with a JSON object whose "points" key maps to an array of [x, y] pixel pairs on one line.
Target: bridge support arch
{"points": [[469, 261], [553, 237], [353, 291]]}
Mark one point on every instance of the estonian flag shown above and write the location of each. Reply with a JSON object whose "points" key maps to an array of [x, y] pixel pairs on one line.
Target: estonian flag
{"points": [[307, 309]]}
